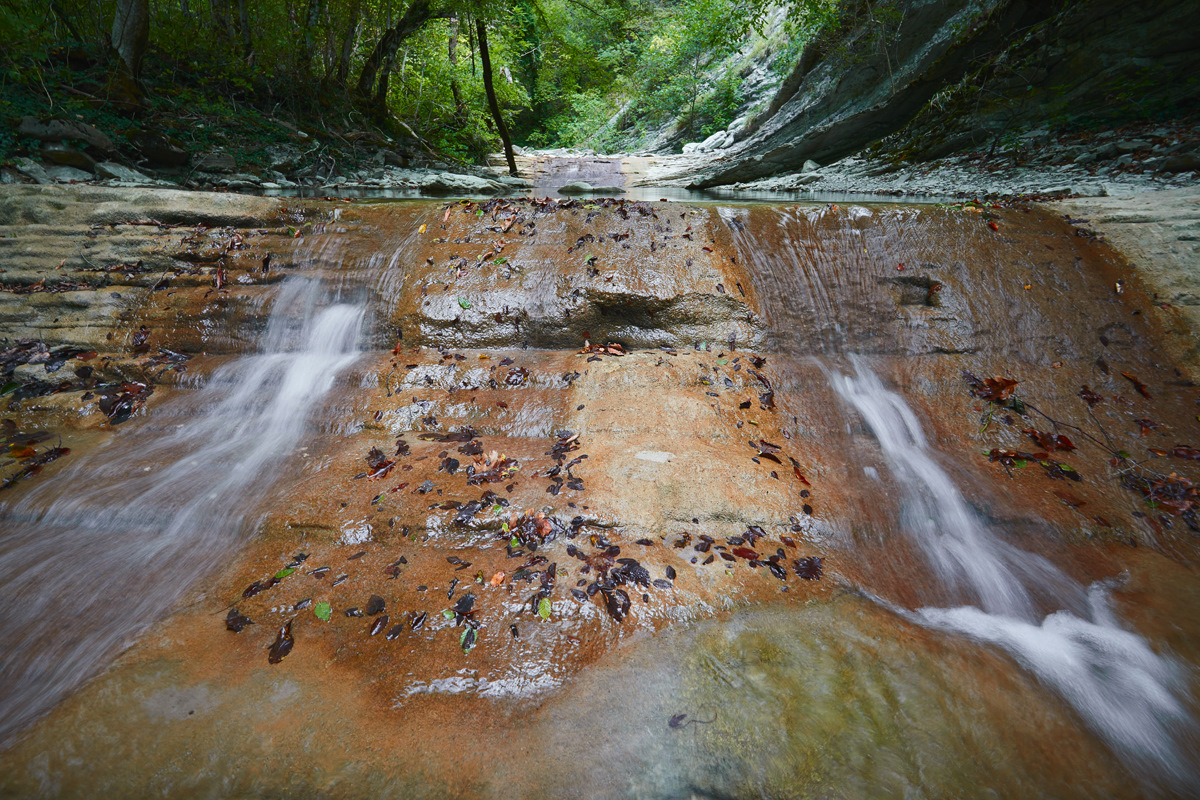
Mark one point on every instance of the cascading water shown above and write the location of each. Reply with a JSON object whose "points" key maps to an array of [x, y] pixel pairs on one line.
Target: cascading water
{"points": [[839, 284], [1124, 690], [161, 508]]}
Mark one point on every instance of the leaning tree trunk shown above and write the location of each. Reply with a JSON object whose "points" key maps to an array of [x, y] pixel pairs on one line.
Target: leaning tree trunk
{"points": [[378, 64], [131, 33], [486, 60], [130, 36], [460, 106]]}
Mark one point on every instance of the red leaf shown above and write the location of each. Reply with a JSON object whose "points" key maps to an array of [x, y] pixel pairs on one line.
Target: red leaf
{"points": [[1050, 441], [1141, 387]]}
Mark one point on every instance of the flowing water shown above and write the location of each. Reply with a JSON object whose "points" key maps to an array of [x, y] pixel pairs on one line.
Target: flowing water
{"points": [[1129, 694], [88, 561], [982, 661], [833, 295]]}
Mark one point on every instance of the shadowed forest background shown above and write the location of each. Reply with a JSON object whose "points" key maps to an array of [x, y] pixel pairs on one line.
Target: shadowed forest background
{"points": [[207, 73]]}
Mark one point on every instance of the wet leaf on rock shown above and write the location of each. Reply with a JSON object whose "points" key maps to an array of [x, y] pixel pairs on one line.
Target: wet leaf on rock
{"points": [[379, 624], [1089, 397], [616, 603], [282, 645], [1049, 441], [994, 390], [809, 568], [237, 622], [1141, 387], [323, 611]]}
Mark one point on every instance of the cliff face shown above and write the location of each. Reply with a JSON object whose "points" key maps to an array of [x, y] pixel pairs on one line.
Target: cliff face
{"points": [[938, 75]]}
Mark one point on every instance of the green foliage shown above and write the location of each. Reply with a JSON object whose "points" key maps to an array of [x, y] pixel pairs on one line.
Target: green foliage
{"points": [[223, 73]]}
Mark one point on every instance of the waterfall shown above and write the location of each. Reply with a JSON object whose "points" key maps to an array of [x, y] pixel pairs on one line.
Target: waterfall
{"points": [[86, 568], [1114, 681]]}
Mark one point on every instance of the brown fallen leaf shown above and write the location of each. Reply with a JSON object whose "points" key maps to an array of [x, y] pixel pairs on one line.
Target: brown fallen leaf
{"points": [[1141, 387]]}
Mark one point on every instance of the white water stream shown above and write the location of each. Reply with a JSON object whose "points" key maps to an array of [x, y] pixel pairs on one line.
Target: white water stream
{"points": [[83, 570], [1127, 693]]}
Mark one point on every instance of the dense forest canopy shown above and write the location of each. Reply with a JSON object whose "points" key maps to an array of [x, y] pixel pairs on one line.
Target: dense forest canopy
{"points": [[563, 72]]}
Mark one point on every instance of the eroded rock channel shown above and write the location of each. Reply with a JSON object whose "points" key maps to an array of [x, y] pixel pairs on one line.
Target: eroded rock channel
{"points": [[519, 496]]}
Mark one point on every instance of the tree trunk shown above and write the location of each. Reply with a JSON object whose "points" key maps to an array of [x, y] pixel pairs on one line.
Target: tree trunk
{"points": [[486, 60], [131, 34], [311, 21], [383, 55], [460, 107], [343, 68], [244, 25]]}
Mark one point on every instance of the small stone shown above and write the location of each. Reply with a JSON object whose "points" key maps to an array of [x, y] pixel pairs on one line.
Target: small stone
{"points": [[810, 166], [1132, 145]]}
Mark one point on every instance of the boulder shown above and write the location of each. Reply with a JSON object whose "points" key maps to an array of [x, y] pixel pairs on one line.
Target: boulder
{"points": [[283, 157], [61, 174], [117, 172], [810, 166], [512, 181], [216, 161], [608, 190], [33, 169], [576, 187], [159, 150], [1184, 162], [58, 153], [452, 183], [57, 130], [394, 158]]}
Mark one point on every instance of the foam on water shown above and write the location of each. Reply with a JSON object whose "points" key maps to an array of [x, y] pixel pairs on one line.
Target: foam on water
{"points": [[85, 568], [1128, 694]]}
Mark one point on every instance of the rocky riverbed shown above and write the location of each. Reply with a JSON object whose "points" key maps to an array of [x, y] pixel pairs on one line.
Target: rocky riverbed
{"points": [[586, 510]]}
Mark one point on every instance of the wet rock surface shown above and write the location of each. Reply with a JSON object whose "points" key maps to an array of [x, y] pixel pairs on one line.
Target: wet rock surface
{"points": [[593, 516]]}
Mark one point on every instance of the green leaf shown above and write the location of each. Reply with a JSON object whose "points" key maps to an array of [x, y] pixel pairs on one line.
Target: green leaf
{"points": [[1066, 467], [722, 361], [496, 509], [283, 573], [1020, 462], [323, 611], [466, 639], [544, 608], [462, 301], [514, 542], [1123, 454], [8, 387], [448, 614], [501, 260]]}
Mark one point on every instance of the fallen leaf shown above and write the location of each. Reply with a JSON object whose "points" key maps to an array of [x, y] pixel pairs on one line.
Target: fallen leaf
{"points": [[282, 645], [1141, 387]]}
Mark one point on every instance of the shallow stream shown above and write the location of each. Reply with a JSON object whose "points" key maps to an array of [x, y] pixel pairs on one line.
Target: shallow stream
{"points": [[973, 645]]}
